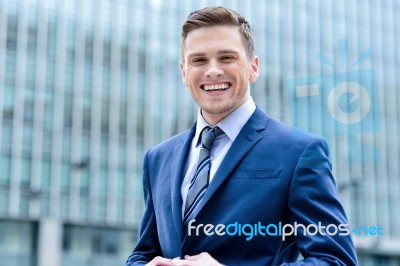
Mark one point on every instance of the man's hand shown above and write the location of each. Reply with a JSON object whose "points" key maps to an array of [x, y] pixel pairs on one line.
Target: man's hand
{"points": [[203, 259], [160, 261]]}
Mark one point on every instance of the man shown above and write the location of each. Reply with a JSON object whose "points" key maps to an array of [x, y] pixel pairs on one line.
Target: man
{"points": [[223, 191]]}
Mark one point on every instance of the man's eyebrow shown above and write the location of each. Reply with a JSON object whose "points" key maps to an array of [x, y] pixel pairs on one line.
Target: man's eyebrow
{"points": [[227, 52], [196, 54]]}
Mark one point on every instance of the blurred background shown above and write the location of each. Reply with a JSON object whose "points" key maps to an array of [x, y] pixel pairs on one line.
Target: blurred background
{"points": [[86, 87]]}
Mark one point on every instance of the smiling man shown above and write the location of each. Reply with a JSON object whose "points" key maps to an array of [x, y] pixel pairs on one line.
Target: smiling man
{"points": [[236, 166], [217, 70]]}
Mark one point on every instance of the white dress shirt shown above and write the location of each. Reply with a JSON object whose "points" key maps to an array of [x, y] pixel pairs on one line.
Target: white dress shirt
{"points": [[232, 124]]}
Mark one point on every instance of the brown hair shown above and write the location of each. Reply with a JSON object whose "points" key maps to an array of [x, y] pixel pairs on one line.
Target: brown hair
{"points": [[216, 16]]}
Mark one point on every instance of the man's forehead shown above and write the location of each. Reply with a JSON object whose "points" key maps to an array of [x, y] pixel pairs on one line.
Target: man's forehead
{"points": [[204, 38], [209, 30]]}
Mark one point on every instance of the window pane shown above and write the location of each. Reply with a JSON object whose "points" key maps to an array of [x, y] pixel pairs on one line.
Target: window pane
{"points": [[5, 169]]}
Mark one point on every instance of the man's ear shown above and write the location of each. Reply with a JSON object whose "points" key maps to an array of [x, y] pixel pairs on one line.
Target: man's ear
{"points": [[183, 73], [254, 71]]}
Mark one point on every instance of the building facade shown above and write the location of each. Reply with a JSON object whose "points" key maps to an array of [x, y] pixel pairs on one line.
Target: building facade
{"points": [[86, 87]]}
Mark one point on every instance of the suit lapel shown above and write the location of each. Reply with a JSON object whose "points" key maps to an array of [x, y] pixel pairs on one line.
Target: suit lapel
{"points": [[243, 143], [180, 155]]}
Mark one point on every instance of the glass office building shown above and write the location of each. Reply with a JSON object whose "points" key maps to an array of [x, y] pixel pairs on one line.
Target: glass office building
{"points": [[86, 87]]}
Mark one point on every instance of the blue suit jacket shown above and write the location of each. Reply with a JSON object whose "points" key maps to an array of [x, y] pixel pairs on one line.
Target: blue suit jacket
{"points": [[272, 173]]}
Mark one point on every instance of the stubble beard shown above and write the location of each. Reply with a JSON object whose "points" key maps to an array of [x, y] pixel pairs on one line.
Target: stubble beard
{"points": [[218, 107]]}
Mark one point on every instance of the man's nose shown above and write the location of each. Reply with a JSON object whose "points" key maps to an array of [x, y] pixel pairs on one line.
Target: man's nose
{"points": [[214, 69]]}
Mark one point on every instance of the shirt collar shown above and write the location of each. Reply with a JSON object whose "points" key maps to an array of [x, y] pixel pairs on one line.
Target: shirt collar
{"points": [[232, 124]]}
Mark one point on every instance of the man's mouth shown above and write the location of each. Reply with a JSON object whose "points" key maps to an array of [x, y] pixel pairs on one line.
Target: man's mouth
{"points": [[216, 87]]}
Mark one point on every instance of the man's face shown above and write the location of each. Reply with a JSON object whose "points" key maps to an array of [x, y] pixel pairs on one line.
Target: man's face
{"points": [[217, 71]]}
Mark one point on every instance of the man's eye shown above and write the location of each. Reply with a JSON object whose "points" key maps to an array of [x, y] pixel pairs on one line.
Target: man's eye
{"points": [[198, 60], [227, 58]]}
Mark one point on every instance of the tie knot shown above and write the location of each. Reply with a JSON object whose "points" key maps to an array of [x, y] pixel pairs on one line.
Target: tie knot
{"points": [[208, 135]]}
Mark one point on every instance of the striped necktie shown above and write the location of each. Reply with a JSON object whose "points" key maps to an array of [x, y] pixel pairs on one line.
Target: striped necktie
{"points": [[200, 181]]}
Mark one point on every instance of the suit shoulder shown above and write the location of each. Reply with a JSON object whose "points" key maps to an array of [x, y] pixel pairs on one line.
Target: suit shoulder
{"points": [[288, 132]]}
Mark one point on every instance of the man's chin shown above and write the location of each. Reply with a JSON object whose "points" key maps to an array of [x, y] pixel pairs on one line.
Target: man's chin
{"points": [[216, 110]]}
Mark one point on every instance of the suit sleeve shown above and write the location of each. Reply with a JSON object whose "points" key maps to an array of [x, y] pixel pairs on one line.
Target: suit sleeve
{"points": [[148, 245], [314, 199]]}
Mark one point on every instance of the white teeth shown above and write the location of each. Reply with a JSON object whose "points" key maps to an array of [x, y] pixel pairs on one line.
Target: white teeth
{"points": [[221, 86]]}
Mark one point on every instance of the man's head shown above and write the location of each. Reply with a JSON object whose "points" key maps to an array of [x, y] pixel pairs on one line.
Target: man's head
{"points": [[217, 16], [218, 61]]}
